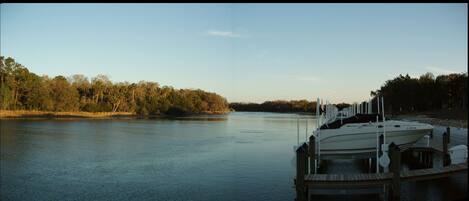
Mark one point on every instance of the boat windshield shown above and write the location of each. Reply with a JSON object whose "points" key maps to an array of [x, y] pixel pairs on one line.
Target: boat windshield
{"points": [[358, 118]]}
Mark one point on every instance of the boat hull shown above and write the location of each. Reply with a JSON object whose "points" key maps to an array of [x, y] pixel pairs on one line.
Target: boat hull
{"points": [[362, 138]]}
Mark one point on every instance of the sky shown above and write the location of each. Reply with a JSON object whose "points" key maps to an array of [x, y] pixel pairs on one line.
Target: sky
{"points": [[244, 52]]}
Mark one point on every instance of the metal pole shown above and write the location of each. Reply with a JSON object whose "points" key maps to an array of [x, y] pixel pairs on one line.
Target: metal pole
{"points": [[319, 147], [317, 112], [319, 142], [377, 145], [298, 129], [328, 110], [367, 105], [370, 106], [365, 109], [317, 132], [306, 133], [384, 124], [377, 102]]}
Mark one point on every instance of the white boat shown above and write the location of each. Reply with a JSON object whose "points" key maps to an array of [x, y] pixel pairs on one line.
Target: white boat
{"points": [[357, 135], [356, 129]]}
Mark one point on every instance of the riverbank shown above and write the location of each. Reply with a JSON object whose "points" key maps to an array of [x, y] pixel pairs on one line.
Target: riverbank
{"points": [[9, 114], [48, 114], [283, 112]]}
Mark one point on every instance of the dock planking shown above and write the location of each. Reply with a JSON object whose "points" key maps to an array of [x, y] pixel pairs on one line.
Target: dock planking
{"points": [[381, 178]]}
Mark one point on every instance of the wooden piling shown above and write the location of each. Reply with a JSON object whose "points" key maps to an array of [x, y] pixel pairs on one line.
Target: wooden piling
{"points": [[395, 169], [301, 168], [429, 159], [448, 131], [312, 154], [446, 157]]}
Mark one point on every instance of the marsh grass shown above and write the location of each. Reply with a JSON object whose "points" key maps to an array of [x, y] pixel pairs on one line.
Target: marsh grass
{"points": [[51, 114]]}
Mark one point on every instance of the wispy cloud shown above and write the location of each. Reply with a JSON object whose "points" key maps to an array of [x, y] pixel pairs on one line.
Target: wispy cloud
{"points": [[227, 34], [438, 70]]}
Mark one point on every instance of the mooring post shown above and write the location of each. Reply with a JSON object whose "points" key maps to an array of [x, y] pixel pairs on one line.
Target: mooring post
{"points": [[430, 159], [446, 158], [301, 163], [381, 141], [448, 131], [312, 154], [395, 153]]}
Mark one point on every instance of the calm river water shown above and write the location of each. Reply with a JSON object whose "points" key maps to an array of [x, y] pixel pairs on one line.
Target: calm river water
{"points": [[240, 156]]}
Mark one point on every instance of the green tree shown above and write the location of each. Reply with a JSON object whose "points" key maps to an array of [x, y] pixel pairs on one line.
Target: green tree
{"points": [[64, 96]]}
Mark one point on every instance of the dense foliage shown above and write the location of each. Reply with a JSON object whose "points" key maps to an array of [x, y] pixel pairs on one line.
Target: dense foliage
{"points": [[276, 106], [21, 89], [406, 94]]}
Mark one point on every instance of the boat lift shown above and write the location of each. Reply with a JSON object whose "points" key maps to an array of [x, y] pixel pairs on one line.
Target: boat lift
{"points": [[326, 113]]}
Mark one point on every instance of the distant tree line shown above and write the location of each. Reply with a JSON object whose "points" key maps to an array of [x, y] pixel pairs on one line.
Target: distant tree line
{"points": [[276, 106], [401, 94], [406, 94], [295, 106], [21, 89]]}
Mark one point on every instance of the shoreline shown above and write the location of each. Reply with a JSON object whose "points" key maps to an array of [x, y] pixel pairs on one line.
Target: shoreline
{"points": [[32, 114], [18, 114], [458, 123], [291, 112]]}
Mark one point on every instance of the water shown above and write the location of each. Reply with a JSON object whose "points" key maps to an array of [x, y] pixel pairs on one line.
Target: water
{"points": [[241, 156]]}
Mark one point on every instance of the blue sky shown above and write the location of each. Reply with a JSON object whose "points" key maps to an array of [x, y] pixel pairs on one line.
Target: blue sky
{"points": [[245, 52]]}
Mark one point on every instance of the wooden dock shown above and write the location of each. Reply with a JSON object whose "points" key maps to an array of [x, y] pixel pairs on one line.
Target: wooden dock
{"points": [[307, 183], [436, 140], [318, 180]]}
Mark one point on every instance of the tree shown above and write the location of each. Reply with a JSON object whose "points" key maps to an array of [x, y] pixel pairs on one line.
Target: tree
{"points": [[64, 96], [425, 93]]}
